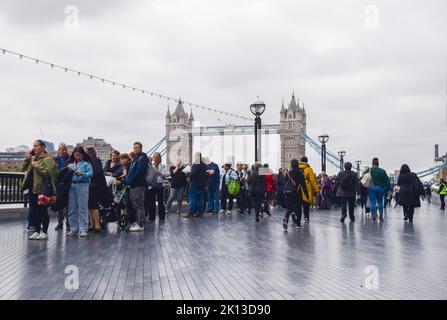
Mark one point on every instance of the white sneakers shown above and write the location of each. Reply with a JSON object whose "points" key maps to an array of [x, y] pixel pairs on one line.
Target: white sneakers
{"points": [[83, 234], [221, 211], [38, 236], [136, 228]]}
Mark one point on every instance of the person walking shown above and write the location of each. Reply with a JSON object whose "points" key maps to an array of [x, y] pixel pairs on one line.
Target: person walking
{"points": [[136, 180], [61, 160], [347, 185], [78, 197], [410, 191], [98, 192], [311, 185], [326, 191], [212, 186], [155, 194], [442, 191], [295, 186], [228, 174], [40, 170], [178, 185], [280, 195], [271, 188], [258, 188], [197, 184], [380, 185]]}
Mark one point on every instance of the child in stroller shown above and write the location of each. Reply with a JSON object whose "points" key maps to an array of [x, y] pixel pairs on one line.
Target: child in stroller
{"points": [[116, 212]]}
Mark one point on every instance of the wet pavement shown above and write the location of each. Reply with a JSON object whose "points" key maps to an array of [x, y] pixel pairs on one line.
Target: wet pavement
{"points": [[234, 257]]}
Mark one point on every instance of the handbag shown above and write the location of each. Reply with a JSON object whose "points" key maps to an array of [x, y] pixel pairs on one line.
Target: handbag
{"points": [[47, 195], [366, 180]]}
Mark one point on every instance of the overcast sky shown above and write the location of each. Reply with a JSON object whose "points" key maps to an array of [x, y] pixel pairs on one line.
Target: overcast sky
{"points": [[372, 74]]}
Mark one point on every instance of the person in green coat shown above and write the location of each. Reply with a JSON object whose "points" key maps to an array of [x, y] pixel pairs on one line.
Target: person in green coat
{"points": [[37, 165]]}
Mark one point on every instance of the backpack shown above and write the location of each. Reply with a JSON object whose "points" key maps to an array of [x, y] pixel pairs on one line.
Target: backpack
{"points": [[290, 186], [347, 183]]}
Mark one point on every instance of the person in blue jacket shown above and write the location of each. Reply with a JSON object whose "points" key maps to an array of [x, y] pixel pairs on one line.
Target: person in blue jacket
{"points": [[136, 180]]}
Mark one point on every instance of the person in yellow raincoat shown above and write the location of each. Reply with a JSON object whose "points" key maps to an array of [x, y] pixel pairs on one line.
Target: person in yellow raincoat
{"points": [[312, 187]]}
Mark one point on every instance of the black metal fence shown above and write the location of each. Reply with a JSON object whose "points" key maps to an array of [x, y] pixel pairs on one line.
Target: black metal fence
{"points": [[10, 192]]}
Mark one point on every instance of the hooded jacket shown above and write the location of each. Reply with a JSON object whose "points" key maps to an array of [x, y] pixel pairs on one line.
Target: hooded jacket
{"points": [[46, 166], [311, 182]]}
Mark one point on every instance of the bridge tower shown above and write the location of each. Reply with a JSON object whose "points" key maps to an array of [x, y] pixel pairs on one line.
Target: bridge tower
{"points": [[292, 123], [178, 137]]}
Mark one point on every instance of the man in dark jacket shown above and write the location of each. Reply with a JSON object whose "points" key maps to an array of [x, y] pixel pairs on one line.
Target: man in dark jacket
{"points": [[197, 184], [258, 188], [136, 180], [347, 185], [410, 191]]}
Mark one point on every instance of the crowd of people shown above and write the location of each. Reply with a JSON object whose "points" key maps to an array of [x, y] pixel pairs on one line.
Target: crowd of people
{"points": [[76, 186]]}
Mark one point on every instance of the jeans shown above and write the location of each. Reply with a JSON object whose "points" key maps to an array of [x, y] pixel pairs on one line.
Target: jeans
{"points": [[78, 207], [137, 201], [176, 193], [347, 202], [196, 201], [30, 216], [41, 218], [213, 200], [376, 194]]}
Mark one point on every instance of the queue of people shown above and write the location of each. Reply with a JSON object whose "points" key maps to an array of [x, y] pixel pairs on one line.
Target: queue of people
{"points": [[75, 186]]}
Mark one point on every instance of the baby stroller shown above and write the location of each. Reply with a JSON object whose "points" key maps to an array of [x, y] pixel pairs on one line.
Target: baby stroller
{"points": [[116, 211]]}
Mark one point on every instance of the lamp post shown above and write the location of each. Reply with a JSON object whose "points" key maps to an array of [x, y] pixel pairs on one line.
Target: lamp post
{"points": [[358, 163], [324, 138], [257, 108], [341, 155]]}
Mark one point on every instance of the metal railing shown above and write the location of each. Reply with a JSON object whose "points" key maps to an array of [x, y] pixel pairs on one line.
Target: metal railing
{"points": [[10, 184]]}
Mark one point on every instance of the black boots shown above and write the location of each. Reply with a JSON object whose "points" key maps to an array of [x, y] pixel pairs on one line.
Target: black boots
{"points": [[285, 223]]}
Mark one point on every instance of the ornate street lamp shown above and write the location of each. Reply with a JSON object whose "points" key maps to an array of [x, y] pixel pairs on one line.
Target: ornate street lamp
{"points": [[341, 154], [257, 108], [324, 138]]}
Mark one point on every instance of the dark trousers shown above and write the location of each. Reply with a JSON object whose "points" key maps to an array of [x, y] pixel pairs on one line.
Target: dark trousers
{"points": [[294, 205], [40, 215], [242, 200], [409, 212], [224, 197], [61, 215], [306, 209], [347, 203], [153, 196], [280, 197], [258, 198], [266, 201], [442, 197]]}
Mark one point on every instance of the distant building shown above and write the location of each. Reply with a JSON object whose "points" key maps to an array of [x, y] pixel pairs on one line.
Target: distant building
{"points": [[21, 148], [11, 160], [49, 146], [103, 149]]}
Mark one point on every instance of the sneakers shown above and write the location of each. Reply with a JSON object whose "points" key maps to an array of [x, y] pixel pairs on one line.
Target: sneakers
{"points": [[58, 227], [34, 236], [222, 211], [298, 226], [228, 212], [42, 236], [186, 216], [342, 219], [71, 234], [83, 234], [136, 228], [381, 219], [306, 220]]}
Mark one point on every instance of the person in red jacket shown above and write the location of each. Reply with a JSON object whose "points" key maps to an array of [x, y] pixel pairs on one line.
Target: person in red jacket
{"points": [[270, 184]]}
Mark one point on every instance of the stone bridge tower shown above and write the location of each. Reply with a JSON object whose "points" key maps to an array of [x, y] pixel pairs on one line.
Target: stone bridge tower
{"points": [[292, 123], [178, 135]]}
